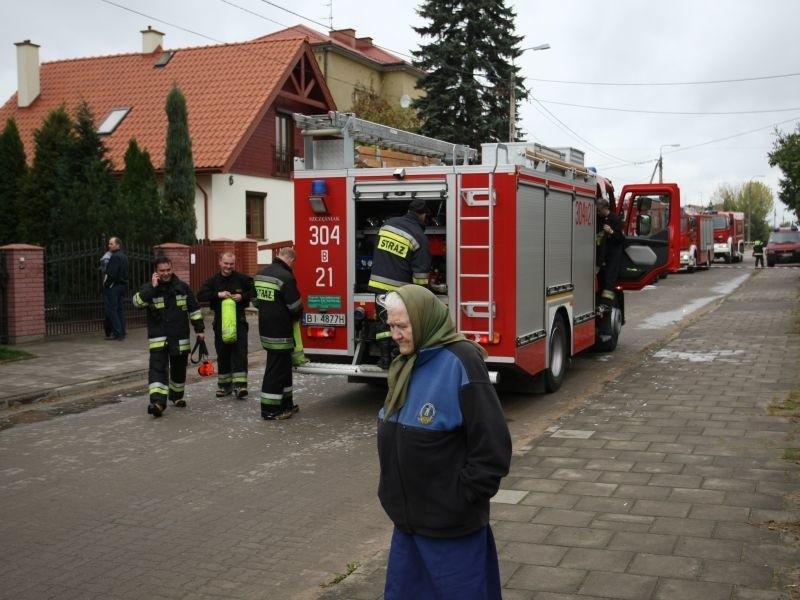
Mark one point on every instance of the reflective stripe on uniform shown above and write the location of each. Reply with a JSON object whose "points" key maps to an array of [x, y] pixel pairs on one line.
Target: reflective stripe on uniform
{"points": [[138, 302], [266, 287], [157, 388], [271, 399], [282, 343], [396, 241], [157, 343], [384, 283]]}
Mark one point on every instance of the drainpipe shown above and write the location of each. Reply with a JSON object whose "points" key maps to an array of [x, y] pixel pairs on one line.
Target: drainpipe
{"points": [[205, 209]]}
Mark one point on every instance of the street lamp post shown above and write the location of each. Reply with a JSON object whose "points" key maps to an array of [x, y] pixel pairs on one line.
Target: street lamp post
{"points": [[512, 96], [660, 164]]}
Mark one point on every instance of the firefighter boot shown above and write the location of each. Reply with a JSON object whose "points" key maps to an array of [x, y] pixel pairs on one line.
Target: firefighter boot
{"points": [[156, 409]]}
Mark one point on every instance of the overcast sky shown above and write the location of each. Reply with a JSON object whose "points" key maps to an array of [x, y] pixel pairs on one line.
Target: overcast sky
{"points": [[622, 79]]}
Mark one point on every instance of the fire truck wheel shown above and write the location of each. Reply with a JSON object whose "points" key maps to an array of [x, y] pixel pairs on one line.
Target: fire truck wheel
{"points": [[559, 355]]}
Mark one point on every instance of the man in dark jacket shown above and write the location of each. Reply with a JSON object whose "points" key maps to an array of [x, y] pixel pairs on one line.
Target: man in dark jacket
{"points": [[279, 309], [171, 306], [115, 285], [237, 287], [402, 255]]}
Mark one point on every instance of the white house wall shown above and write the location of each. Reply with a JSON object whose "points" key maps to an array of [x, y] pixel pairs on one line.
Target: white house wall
{"points": [[226, 208]]}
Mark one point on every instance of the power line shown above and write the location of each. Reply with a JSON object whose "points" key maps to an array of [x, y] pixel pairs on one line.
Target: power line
{"points": [[670, 112], [665, 83]]}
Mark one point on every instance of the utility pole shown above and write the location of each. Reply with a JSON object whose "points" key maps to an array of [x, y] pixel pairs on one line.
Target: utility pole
{"points": [[660, 163], [512, 94]]}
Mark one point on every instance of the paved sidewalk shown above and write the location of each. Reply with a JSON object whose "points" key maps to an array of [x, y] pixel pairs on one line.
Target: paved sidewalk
{"points": [[670, 483]]}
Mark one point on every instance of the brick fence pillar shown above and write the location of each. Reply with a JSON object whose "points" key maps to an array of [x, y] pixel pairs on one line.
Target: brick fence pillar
{"points": [[181, 256], [25, 292]]}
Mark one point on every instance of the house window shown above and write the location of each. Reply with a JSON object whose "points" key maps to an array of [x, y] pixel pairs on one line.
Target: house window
{"points": [[284, 145], [113, 119], [254, 214]]}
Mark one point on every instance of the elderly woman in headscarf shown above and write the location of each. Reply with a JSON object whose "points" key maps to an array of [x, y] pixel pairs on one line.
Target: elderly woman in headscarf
{"points": [[443, 446]]}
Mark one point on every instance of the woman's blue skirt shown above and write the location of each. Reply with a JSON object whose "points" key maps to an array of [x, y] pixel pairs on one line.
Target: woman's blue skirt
{"points": [[425, 568]]}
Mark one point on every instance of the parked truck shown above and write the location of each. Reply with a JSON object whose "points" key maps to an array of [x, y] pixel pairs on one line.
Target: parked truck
{"points": [[696, 240], [728, 235], [512, 239]]}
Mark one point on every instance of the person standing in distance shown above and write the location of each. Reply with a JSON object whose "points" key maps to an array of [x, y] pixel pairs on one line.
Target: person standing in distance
{"points": [[171, 306], [279, 309], [758, 252], [115, 285], [229, 284], [610, 240], [443, 450], [402, 255]]}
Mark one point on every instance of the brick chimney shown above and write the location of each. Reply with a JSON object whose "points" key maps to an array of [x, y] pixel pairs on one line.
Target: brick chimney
{"points": [[345, 36], [151, 40], [28, 78]]}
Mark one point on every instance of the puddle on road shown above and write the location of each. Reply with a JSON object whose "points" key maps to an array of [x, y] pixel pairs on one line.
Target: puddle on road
{"points": [[27, 416]]}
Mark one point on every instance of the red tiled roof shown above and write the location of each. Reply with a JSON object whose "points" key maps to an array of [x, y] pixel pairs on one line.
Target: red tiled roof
{"points": [[227, 87], [315, 38]]}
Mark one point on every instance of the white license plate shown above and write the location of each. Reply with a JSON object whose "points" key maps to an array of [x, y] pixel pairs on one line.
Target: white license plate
{"points": [[325, 319]]}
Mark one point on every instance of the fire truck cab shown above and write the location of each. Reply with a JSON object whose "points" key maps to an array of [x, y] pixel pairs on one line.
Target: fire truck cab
{"points": [[728, 235], [512, 239]]}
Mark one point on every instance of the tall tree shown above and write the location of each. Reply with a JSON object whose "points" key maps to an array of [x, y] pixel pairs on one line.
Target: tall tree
{"points": [[12, 172], [470, 70], [786, 156], [179, 182], [87, 183], [40, 189], [139, 204], [752, 198]]}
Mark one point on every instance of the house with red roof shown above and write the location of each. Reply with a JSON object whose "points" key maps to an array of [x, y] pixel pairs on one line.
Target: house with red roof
{"points": [[240, 98], [354, 65]]}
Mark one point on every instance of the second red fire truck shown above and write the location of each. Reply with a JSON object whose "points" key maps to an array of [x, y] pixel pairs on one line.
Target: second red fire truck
{"points": [[728, 235], [697, 240], [512, 239]]}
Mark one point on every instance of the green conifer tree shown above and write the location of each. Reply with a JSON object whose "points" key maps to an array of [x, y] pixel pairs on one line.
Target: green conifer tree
{"points": [[12, 172], [179, 181], [469, 65], [41, 186], [87, 184], [139, 204]]}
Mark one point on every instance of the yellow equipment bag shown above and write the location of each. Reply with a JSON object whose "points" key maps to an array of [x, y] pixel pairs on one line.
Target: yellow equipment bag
{"points": [[228, 310], [298, 356]]}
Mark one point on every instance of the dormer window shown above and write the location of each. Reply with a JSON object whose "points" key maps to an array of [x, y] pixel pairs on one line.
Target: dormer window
{"points": [[112, 121]]}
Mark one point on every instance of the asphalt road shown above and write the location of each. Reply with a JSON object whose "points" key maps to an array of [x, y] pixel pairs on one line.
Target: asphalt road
{"points": [[213, 502]]}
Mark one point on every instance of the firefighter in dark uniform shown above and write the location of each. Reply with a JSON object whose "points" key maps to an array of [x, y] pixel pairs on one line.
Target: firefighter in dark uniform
{"points": [[610, 240], [171, 306], [402, 256], [279, 309], [758, 252], [231, 356]]}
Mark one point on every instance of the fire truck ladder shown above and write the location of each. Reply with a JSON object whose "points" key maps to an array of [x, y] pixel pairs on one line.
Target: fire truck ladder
{"points": [[352, 130], [480, 308]]}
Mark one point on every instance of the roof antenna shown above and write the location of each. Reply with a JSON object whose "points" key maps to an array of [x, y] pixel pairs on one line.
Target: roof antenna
{"points": [[330, 15]]}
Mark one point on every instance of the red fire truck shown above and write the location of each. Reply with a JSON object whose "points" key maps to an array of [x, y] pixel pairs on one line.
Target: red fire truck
{"points": [[728, 235], [697, 240], [512, 238]]}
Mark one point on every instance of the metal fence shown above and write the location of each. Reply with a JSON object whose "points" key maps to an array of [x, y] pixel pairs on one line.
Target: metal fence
{"points": [[74, 289]]}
